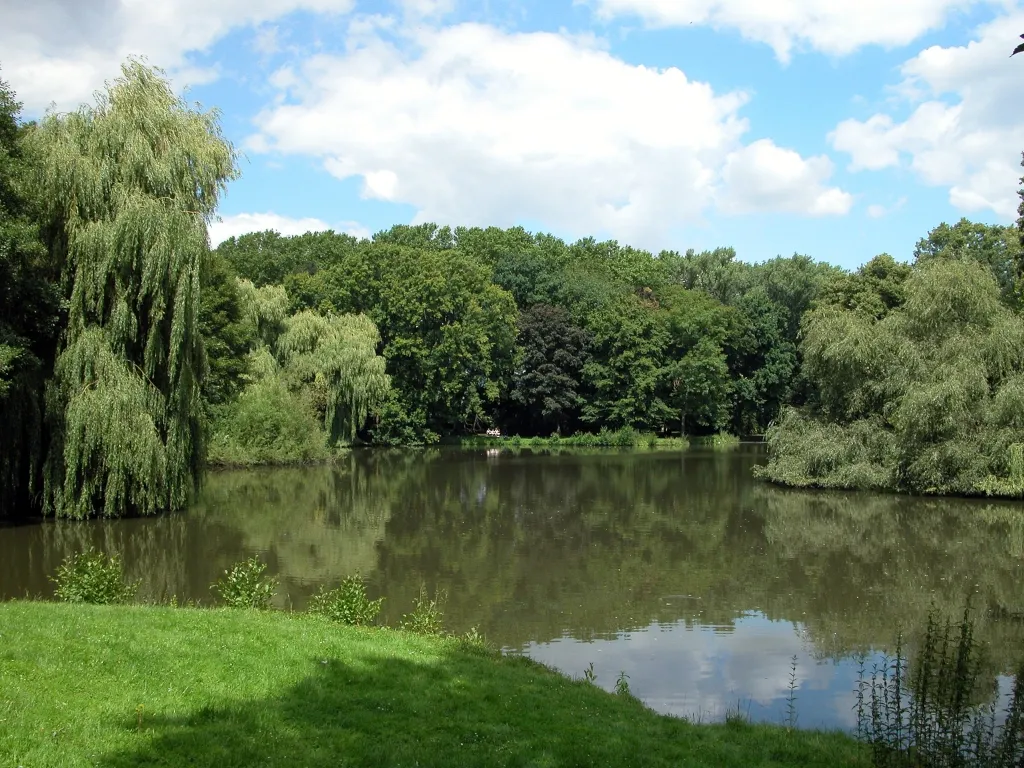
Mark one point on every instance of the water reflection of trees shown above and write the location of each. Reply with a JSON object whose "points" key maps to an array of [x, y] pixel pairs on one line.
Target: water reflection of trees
{"points": [[531, 547], [876, 564]]}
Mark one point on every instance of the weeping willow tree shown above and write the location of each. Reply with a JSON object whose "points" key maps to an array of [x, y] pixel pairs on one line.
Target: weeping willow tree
{"points": [[126, 189], [337, 356], [311, 382], [265, 309], [928, 399]]}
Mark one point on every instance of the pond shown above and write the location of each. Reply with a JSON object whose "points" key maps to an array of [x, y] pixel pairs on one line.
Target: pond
{"points": [[711, 591]]}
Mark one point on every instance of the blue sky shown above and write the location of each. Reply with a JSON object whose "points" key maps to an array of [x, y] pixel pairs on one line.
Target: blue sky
{"points": [[839, 130]]}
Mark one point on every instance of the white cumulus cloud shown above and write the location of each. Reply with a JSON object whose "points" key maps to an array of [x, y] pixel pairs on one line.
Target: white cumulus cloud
{"points": [[965, 131], [877, 210], [472, 125], [765, 177], [63, 50], [832, 26], [244, 223]]}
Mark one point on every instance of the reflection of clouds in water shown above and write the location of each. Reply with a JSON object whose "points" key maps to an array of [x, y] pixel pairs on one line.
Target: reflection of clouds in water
{"points": [[703, 672]]}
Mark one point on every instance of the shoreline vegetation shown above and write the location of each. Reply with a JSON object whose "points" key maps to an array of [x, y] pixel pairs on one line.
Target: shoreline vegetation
{"points": [[270, 349], [621, 438], [233, 688]]}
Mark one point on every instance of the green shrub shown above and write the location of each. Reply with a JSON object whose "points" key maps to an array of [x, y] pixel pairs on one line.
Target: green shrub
{"points": [[268, 424], [93, 577], [244, 585], [347, 603], [426, 616]]}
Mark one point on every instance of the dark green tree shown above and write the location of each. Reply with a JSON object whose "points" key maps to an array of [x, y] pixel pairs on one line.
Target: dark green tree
{"points": [[227, 336], [695, 382], [874, 290], [762, 362], [546, 392], [625, 372], [264, 258], [29, 323]]}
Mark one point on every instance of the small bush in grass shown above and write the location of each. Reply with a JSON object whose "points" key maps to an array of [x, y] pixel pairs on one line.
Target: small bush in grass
{"points": [[347, 603], [426, 616], [244, 585], [93, 577]]}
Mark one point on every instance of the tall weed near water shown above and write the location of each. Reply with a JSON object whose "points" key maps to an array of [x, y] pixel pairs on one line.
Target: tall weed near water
{"points": [[244, 585], [427, 614], [347, 603], [928, 713], [93, 577]]}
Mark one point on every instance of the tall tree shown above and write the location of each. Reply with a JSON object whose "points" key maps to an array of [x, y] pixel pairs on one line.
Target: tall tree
{"points": [[29, 313], [126, 189], [337, 356], [927, 399], [546, 386], [993, 245], [227, 333]]}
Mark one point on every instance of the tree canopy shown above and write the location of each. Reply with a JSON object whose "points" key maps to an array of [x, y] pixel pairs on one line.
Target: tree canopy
{"points": [[927, 398]]}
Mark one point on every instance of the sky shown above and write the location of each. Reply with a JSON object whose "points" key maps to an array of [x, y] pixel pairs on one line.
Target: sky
{"points": [[835, 129]]}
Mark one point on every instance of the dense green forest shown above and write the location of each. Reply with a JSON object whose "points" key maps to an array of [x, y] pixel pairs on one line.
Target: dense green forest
{"points": [[132, 355]]}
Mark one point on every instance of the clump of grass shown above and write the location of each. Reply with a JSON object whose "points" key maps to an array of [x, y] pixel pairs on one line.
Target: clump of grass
{"points": [[626, 437], [723, 441], [473, 641], [928, 714], [347, 604], [93, 577], [427, 614], [244, 585], [737, 717], [589, 675]]}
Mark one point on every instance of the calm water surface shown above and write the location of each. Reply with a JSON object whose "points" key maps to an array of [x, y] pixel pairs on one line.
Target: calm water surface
{"points": [[709, 590]]}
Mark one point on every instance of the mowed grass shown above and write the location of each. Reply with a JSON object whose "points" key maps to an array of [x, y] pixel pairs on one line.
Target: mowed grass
{"points": [[154, 686]]}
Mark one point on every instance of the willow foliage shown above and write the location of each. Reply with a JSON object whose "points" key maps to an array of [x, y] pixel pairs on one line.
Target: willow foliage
{"points": [[126, 189], [265, 309], [927, 399], [337, 354]]}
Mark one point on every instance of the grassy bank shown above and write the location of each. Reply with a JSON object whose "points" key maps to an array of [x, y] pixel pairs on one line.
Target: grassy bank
{"points": [[622, 438], [149, 686]]}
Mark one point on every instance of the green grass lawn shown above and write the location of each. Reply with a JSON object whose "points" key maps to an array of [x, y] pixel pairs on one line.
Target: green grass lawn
{"points": [[154, 686]]}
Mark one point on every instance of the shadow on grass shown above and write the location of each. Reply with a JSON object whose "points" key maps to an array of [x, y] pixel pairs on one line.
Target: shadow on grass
{"points": [[463, 709]]}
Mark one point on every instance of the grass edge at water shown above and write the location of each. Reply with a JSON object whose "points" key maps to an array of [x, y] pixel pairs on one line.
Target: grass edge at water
{"points": [[134, 685]]}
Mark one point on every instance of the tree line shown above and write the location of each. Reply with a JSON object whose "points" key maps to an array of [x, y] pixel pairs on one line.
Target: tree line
{"points": [[132, 355]]}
